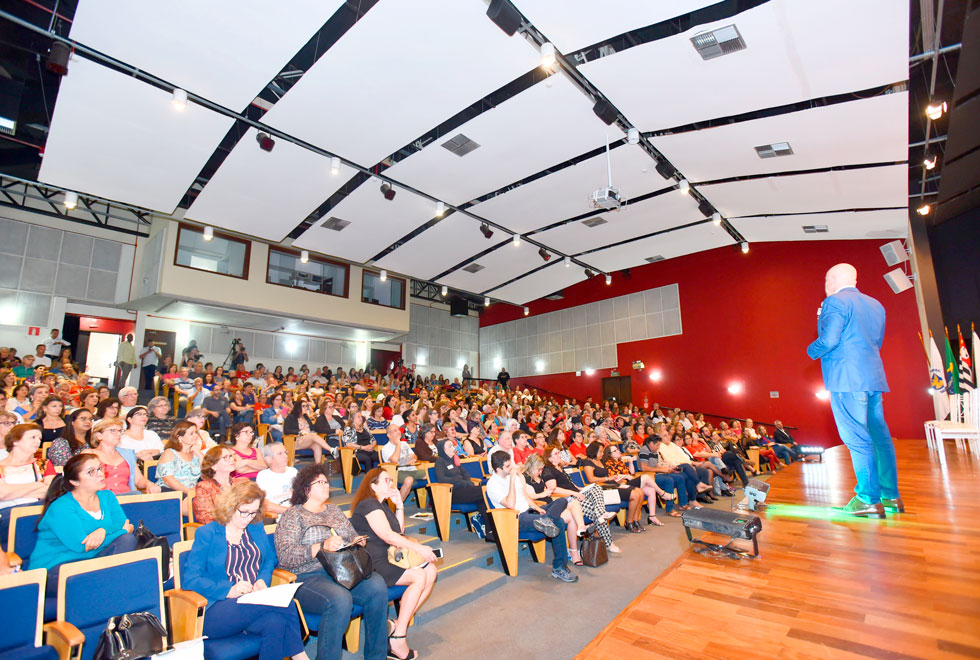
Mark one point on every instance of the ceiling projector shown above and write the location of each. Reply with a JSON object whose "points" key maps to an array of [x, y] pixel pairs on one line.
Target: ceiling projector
{"points": [[606, 198]]}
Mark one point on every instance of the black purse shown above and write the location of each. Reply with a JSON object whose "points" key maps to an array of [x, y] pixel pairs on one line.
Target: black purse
{"points": [[347, 567], [131, 637], [147, 539]]}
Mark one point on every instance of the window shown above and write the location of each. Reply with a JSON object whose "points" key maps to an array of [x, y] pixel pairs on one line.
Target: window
{"points": [[317, 274], [223, 254], [390, 293]]}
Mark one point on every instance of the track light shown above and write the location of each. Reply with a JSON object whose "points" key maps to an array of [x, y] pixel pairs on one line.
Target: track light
{"points": [[58, 56], [335, 165], [608, 279], [444, 291], [486, 302], [71, 199], [517, 240], [208, 233], [179, 100], [665, 169], [568, 262], [266, 143], [440, 209], [633, 136], [936, 110], [384, 276], [304, 257], [544, 254], [705, 208], [547, 55], [924, 209], [716, 219], [387, 191], [745, 247], [486, 231], [527, 310], [930, 162], [684, 186], [589, 273]]}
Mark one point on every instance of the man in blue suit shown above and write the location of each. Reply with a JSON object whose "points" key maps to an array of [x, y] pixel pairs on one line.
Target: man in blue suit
{"points": [[851, 327]]}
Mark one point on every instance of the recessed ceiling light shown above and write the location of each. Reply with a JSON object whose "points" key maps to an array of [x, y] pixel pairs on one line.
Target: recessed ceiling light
{"points": [[460, 145], [720, 41], [337, 224], [815, 229], [773, 150]]}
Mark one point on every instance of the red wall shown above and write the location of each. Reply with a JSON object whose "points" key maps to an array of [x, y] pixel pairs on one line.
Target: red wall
{"points": [[749, 318], [110, 326]]}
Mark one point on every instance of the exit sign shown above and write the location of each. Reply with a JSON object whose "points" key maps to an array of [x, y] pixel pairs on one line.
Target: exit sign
{"points": [[614, 373], [774, 395]]}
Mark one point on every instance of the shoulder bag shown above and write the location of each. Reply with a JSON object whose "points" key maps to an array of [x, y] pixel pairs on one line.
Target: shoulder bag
{"points": [[147, 539], [130, 637], [347, 567], [592, 549]]}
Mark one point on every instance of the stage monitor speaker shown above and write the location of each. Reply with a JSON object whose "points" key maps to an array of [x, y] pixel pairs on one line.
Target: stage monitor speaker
{"points": [[458, 307], [504, 16], [894, 253], [604, 111], [898, 280]]}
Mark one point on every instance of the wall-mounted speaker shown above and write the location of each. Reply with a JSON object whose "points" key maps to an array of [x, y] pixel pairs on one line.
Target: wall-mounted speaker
{"points": [[503, 14], [604, 111], [894, 253], [898, 280]]}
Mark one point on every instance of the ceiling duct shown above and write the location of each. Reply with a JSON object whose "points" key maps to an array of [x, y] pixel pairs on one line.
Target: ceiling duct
{"points": [[715, 43], [774, 149], [460, 145], [334, 223]]}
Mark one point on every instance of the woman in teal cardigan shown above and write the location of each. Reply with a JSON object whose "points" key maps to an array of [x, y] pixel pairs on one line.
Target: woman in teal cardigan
{"points": [[80, 520], [232, 557]]}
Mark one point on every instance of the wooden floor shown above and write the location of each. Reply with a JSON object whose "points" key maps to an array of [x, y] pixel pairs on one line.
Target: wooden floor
{"points": [[824, 586]]}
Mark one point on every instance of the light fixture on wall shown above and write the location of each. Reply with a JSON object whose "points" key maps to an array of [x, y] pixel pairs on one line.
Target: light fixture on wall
{"points": [[208, 233], [716, 219], [383, 276], [179, 100], [516, 241], [735, 388], [486, 302], [608, 279], [304, 256], [335, 165], [527, 310], [544, 254], [656, 375], [486, 231], [589, 372], [266, 143], [444, 291], [440, 209], [71, 199], [547, 55], [929, 162], [924, 209], [936, 110], [684, 186]]}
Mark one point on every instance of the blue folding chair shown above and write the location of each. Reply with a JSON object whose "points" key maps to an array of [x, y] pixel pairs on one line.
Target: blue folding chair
{"points": [[22, 602], [160, 513], [443, 508]]}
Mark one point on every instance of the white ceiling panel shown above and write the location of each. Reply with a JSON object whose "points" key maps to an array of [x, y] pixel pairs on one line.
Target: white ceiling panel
{"points": [[539, 283], [116, 137], [872, 130], [498, 267], [266, 193], [655, 214], [536, 129], [574, 24], [795, 50], [440, 247], [672, 244], [223, 50], [410, 66], [873, 187], [567, 193], [375, 223], [889, 223]]}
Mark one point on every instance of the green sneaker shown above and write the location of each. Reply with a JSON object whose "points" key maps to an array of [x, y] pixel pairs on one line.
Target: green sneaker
{"points": [[896, 505], [858, 507]]}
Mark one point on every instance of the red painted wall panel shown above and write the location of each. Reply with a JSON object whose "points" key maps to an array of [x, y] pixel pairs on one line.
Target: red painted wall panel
{"points": [[748, 318]]}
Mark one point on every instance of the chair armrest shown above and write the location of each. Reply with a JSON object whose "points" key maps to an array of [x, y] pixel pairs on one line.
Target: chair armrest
{"points": [[64, 637], [189, 527], [282, 576], [185, 614], [476, 482], [14, 559]]}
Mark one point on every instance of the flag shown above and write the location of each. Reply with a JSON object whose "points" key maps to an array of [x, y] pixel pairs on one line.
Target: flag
{"points": [[966, 366], [952, 373], [937, 380]]}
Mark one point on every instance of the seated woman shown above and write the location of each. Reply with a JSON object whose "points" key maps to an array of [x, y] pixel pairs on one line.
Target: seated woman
{"points": [[521, 449], [373, 518], [74, 439], [329, 423], [356, 435], [180, 463], [425, 446], [782, 451], [596, 472], [216, 468], [376, 423], [21, 481], [397, 451], [449, 472], [248, 460], [556, 479], [298, 423], [160, 421], [540, 442], [673, 454], [232, 556], [312, 524], [19, 402], [273, 418], [88, 398], [118, 464], [146, 444], [473, 442], [199, 417], [50, 421], [618, 463], [80, 520], [108, 408], [666, 476], [537, 489], [766, 452]]}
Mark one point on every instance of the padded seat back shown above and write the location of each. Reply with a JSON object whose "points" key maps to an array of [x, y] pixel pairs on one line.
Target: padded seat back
{"points": [[21, 601], [160, 513], [22, 536]]}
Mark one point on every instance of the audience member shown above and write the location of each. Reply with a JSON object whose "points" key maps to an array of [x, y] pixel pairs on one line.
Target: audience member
{"points": [[277, 479], [216, 468], [118, 463]]}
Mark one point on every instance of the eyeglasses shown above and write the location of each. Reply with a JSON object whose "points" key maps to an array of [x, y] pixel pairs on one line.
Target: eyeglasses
{"points": [[247, 514], [6, 423], [321, 482], [96, 470]]}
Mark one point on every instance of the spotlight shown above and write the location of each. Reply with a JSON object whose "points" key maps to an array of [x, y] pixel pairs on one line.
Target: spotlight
{"points": [[589, 273], [544, 254], [936, 110], [304, 257], [208, 233], [335, 165], [608, 279], [547, 55], [444, 291], [527, 310], [924, 209], [684, 186], [486, 302], [384, 276], [745, 247], [387, 191], [930, 163], [656, 375], [58, 56], [589, 372], [179, 100], [633, 136], [716, 219], [705, 208], [735, 388], [568, 262], [486, 231], [812, 451], [71, 199], [517, 240], [665, 169], [266, 143], [440, 209], [823, 395]]}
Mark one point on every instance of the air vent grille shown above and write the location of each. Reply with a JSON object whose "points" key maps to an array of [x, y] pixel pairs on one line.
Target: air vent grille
{"points": [[460, 145], [334, 223], [655, 259], [594, 222], [723, 41], [815, 229], [473, 268], [774, 149]]}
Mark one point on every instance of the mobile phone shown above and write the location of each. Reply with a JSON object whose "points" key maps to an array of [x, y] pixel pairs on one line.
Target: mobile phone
{"points": [[437, 552]]}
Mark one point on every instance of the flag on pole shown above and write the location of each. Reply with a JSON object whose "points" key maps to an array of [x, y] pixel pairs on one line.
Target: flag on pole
{"points": [[966, 366], [952, 372], [937, 380]]}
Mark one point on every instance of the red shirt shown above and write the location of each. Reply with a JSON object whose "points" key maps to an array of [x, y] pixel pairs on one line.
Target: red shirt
{"points": [[577, 449], [520, 455]]}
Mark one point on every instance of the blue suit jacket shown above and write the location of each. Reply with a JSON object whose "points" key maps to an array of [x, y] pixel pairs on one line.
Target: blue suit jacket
{"points": [[204, 570], [850, 331]]}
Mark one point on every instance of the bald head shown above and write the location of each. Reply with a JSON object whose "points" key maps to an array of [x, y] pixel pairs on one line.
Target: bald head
{"points": [[839, 277]]}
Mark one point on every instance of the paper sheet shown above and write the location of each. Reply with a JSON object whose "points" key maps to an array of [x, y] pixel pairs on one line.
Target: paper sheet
{"points": [[278, 596]]}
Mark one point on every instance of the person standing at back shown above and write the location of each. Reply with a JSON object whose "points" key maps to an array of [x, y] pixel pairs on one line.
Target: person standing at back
{"points": [[125, 359], [851, 328]]}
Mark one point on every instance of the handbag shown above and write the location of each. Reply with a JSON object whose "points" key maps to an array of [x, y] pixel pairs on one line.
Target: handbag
{"points": [[147, 539], [592, 550], [130, 637], [404, 557], [347, 567]]}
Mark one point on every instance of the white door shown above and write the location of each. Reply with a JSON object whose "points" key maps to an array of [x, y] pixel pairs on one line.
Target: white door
{"points": [[102, 348]]}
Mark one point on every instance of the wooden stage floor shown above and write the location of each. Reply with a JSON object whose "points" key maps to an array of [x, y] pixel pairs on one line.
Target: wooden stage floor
{"points": [[826, 586]]}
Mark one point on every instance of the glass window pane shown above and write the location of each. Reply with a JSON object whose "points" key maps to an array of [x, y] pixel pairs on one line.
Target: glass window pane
{"points": [[390, 293], [219, 255], [286, 269]]}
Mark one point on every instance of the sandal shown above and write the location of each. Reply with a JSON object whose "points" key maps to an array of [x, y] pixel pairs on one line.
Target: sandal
{"points": [[652, 520], [675, 514], [667, 497], [575, 557], [633, 528], [412, 654]]}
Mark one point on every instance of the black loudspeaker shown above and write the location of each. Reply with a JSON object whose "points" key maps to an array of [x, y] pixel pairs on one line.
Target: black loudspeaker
{"points": [[503, 14], [458, 307], [604, 111]]}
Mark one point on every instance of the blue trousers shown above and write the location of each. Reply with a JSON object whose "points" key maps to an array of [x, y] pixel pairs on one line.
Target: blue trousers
{"points": [[321, 594], [782, 452], [861, 423], [277, 626], [672, 482], [559, 545]]}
